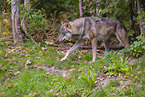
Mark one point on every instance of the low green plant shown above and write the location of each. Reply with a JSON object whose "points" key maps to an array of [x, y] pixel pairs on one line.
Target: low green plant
{"points": [[89, 78], [138, 47], [114, 83], [118, 64]]}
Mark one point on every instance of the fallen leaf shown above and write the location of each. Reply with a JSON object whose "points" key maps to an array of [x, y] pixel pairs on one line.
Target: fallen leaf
{"points": [[72, 66], [27, 63], [49, 42], [86, 42], [44, 48], [17, 72], [37, 58], [58, 52], [120, 87], [4, 33], [102, 44], [79, 56], [51, 90], [64, 75], [35, 94], [72, 69], [47, 73], [57, 94]]}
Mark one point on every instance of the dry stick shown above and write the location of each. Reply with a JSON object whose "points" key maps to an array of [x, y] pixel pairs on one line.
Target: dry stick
{"points": [[23, 23], [89, 47]]}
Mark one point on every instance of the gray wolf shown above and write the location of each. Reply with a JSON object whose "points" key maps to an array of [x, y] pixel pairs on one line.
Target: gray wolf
{"points": [[93, 28]]}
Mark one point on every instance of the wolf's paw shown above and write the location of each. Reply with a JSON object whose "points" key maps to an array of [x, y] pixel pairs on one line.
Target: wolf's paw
{"points": [[63, 59], [91, 62]]}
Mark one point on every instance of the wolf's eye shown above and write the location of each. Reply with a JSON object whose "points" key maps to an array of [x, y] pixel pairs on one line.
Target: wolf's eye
{"points": [[67, 25]]}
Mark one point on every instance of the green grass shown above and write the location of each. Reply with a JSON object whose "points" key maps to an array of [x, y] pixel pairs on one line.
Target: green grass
{"points": [[26, 71]]}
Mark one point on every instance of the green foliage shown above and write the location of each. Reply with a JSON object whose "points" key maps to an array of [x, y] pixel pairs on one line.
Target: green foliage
{"points": [[139, 77], [89, 79], [5, 5], [89, 8], [115, 7], [35, 19], [31, 70], [117, 63], [118, 66], [27, 83], [138, 47], [141, 17], [5, 23], [114, 83], [108, 8], [69, 8]]}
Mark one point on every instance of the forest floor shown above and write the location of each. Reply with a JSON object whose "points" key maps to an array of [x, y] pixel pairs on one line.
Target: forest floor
{"points": [[34, 69]]}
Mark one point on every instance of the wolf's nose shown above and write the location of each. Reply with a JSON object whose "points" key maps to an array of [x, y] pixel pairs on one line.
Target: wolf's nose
{"points": [[57, 40]]}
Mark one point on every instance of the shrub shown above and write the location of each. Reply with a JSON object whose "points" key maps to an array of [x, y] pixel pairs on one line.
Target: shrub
{"points": [[138, 47]]}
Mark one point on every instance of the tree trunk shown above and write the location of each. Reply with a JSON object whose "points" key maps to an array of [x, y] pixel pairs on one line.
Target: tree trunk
{"points": [[26, 4], [97, 9], [80, 8], [131, 14], [17, 35], [141, 23]]}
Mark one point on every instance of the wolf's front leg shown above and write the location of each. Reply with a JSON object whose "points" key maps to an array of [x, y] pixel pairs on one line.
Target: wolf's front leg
{"points": [[75, 46], [94, 47]]}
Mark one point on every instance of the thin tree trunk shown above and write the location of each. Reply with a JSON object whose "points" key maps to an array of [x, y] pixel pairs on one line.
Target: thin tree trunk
{"points": [[17, 35], [97, 9], [80, 8], [131, 14], [26, 4], [141, 23]]}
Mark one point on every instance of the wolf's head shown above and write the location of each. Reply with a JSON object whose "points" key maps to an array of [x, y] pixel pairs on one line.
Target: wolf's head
{"points": [[65, 32]]}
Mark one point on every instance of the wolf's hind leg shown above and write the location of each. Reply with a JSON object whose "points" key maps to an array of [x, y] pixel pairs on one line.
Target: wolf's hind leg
{"points": [[107, 44], [123, 39], [122, 36], [75, 46], [94, 48]]}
